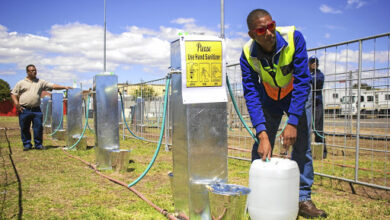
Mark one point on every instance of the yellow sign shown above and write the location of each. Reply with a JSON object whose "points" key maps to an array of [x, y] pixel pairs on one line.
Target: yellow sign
{"points": [[204, 63]]}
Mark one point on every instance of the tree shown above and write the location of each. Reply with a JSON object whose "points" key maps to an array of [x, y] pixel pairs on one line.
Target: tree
{"points": [[362, 86], [5, 91], [144, 91]]}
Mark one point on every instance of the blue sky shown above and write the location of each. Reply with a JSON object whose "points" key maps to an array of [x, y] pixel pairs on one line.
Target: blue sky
{"points": [[65, 38]]}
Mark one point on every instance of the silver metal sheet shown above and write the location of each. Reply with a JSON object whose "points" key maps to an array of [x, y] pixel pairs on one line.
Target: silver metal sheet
{"points": [[57, 111], [179, 150], [207, 153], [74, 112], [120, 159], [106, 118], [199, 151], [175, 55]]}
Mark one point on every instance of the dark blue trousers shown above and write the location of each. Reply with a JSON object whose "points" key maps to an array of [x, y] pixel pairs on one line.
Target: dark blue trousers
{"points": [[26, 117]]}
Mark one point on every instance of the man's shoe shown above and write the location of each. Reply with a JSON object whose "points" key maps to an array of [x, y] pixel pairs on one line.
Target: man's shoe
{"points": [[307, 209], [40, 148], [26, 149]]}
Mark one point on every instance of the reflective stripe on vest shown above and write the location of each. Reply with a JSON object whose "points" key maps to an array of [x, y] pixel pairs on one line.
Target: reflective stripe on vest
{"points": [[277, 79]]}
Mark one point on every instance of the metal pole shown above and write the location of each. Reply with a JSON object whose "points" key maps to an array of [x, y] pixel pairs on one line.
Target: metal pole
{"points": [[350, 116], [358, 113], [104, 36], [167, 124], [222, 19]]}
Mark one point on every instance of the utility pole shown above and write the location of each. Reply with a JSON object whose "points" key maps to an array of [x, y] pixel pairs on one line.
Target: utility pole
{"points": [[104, 36], [222, 19]]}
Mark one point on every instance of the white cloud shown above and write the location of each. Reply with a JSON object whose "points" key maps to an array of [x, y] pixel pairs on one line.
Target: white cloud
{"points": [[327, 35], [183, 21], [75, 50], [7, 72], [242, 34], [355, 3], [328, 10], [338, 65]]}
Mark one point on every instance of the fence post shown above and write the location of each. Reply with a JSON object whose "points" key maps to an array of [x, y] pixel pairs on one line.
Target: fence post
{"points": [[358, 113]]}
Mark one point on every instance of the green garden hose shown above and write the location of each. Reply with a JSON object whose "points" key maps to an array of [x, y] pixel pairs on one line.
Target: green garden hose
{"points": [[161, 135], [240, 116]]}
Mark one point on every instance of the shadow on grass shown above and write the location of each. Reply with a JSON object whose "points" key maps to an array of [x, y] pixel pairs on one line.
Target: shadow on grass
{"points": [[48, 147], [20, 195], [357, 189]]}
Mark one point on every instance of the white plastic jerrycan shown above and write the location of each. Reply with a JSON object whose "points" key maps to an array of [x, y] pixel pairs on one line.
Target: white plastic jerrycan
{"points": [[274, 189]]}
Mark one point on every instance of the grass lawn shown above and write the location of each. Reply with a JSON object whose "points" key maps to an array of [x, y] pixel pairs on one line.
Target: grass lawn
{"points": [[49, 184]]}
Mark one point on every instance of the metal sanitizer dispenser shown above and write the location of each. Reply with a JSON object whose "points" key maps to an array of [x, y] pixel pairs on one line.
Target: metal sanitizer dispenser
{"points": [[199, 114], [106, 118], [74, 112]]}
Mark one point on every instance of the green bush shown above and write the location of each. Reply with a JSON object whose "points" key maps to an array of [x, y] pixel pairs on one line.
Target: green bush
{"points": [[5, 91]]}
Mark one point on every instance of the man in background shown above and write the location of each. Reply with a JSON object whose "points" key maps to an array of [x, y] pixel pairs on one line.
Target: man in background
{"points": [[317, 81], [26, 96]]}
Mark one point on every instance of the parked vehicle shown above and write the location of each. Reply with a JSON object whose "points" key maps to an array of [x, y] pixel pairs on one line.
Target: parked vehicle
{"points": [[372, 102]]}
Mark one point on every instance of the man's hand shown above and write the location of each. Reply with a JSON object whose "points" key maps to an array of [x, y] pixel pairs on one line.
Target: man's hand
{"points": [[15, 100], [19, 108], [264, 150], [289, 136]]}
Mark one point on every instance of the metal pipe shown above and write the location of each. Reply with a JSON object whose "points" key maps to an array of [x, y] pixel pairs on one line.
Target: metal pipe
{"points": [[104, 36], [352, 148], [352, 181], [222, 19], [358, 112]]}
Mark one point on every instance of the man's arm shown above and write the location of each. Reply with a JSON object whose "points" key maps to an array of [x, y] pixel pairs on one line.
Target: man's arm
{"points": [[59, 87], [15, 99], [251, 85], [301, 91]]}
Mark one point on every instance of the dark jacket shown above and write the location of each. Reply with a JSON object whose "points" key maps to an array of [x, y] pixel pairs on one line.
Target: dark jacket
{"points": [[317, 82], [257, 98]]}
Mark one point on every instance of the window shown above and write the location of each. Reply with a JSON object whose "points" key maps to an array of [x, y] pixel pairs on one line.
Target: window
{"points": [[370, 98], [387, 96], [361, 98], [335, 96], [348, 99]]}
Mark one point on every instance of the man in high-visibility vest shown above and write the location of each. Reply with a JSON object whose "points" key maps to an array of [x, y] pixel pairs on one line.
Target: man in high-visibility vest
{"points": [[276, 80]]}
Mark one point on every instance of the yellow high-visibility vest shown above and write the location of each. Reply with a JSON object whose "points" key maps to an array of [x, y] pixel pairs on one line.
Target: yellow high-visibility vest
{"points": [[277, 79]]}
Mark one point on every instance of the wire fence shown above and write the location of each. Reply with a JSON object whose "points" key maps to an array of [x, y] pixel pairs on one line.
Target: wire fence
{"points": [[356, 109], [356, 130], [143, 109]]}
